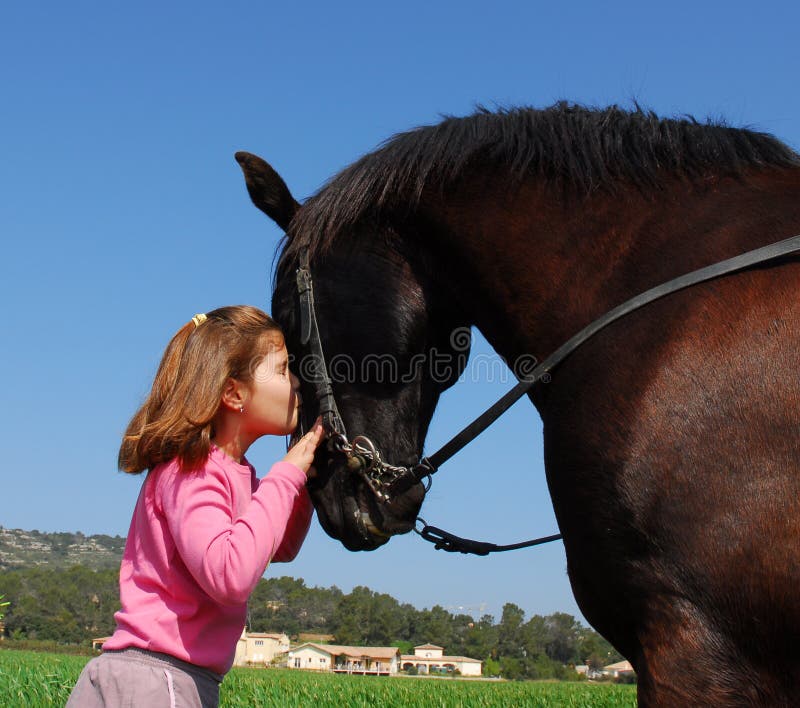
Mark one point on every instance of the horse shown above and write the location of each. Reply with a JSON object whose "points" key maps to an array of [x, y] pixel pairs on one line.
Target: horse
{"points": [[670, 437]]}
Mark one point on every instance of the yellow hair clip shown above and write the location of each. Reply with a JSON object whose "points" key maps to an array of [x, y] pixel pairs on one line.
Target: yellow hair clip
{"points": [[198, 320]]}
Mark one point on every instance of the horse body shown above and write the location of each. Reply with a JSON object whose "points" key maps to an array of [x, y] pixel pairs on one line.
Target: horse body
{"points": [[671, 446], [670, 439]]}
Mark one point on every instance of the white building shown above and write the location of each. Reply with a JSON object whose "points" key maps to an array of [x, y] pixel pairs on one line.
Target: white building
{"points": [[259, 649], [377, 661], [621, 668], [429, 658]]}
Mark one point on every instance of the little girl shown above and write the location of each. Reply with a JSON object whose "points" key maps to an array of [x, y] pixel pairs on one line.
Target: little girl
{"points": [[205, 527]]}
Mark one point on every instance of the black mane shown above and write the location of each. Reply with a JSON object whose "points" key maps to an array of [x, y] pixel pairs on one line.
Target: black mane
{"points": [[581, 149]]}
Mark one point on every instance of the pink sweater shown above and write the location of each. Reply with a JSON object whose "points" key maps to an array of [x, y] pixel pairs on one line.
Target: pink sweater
{"points": [[197, 546]]}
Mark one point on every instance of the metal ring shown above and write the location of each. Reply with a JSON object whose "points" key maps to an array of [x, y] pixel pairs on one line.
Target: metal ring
{"points": [[368, 446], [424, 524], [339, 442]]}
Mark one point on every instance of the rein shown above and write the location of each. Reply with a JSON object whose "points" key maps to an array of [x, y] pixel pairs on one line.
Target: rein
{"points": [[387, 481]]}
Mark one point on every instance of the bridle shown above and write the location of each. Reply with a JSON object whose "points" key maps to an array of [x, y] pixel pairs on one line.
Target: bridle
{"points": [[385, 480], [363, 457]]}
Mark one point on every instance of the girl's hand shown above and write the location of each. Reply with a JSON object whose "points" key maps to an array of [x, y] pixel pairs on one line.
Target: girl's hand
{"points": [[302, 453]]}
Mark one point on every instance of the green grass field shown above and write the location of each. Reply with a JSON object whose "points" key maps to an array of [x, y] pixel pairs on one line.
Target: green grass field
{"points": [[33, 679]]}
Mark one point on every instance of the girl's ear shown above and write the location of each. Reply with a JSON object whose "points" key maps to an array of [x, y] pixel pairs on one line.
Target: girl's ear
{"points": [[233, 395]]}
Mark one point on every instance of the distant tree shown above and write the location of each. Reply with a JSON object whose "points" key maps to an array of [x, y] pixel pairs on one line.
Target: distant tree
{"points": [[435, 626], [347, 627], [511, 667], [563, 631], [594, 650], [535, 635], [510, 636], [285, 604], [480, 640], [405, 646], [491, 667], [389, 621], [62, 605], [3, 605], [367, 617]]}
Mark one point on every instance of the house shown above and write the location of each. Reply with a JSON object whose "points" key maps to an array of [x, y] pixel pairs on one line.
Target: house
{"points": [[376, 661], [590, 672], [429, 658], [621, 668], [259, 648]]}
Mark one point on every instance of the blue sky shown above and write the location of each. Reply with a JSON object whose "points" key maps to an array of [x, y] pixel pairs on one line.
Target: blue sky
{"points": [[123, 214]]}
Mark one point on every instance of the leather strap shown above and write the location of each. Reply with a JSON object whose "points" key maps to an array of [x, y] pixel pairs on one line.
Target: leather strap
{"points": [[446, 541], [309, 337], [732, 265]]}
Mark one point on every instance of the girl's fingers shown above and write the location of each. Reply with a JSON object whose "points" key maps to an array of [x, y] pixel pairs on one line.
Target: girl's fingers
{"points": [[302, 453], [314, 436]]}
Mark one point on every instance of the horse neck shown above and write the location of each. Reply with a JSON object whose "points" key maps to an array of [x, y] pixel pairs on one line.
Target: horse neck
{"points": [[539, 268]]}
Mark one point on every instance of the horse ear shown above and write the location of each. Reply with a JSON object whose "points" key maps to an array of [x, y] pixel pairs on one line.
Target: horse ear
{"points": [[267, 189]]}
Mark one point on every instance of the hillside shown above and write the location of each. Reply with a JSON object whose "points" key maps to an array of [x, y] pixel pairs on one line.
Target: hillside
{"points": [[29, 549]]}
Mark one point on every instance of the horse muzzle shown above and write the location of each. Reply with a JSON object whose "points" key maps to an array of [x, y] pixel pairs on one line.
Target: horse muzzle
{"points": [[357, 506]]}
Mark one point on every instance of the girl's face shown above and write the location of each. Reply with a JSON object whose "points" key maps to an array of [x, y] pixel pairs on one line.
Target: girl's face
{"points": [[273, 403]]}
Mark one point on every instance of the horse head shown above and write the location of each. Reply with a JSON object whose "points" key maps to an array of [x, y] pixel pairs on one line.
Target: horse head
{"points": [[392, 344]]}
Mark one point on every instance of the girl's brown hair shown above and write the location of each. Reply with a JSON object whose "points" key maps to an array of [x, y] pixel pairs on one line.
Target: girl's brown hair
{"points": [[176, 419]]}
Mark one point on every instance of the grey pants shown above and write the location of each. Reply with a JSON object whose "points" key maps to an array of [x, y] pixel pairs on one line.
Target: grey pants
{"points": [[136, 678]]}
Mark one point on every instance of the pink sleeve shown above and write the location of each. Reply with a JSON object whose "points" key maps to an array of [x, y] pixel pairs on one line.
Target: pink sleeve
{"points": [[228, 556], [297, 528]]}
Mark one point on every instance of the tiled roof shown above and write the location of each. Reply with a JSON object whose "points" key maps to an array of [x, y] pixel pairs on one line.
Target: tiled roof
{"points": [[428, 646], [619, 666], [353, 652]]}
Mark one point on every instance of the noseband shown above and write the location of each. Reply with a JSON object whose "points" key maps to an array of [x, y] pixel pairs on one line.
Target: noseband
{"points": [[387, 481]]}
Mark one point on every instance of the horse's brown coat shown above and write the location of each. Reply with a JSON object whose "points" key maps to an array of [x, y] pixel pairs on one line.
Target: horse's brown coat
{"points": [[671, 438]]}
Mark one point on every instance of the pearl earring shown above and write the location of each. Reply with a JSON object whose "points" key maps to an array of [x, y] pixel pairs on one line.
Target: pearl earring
{"points": [[241, 409]]}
